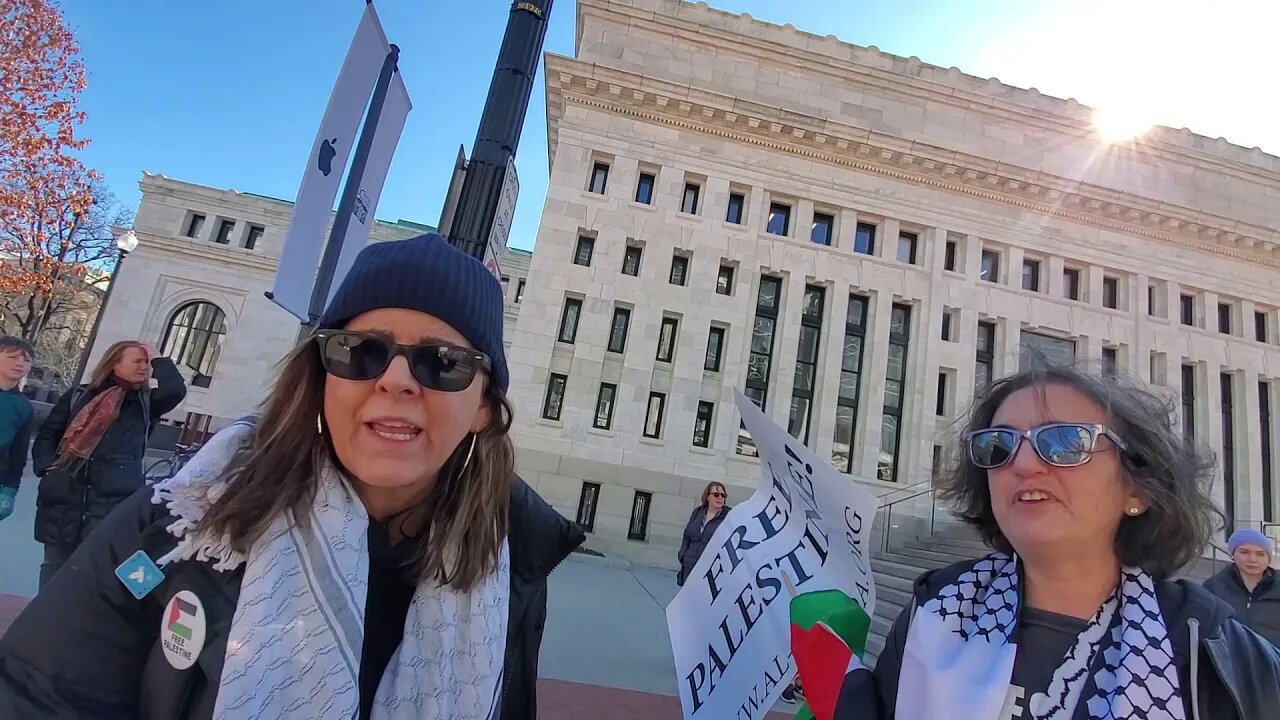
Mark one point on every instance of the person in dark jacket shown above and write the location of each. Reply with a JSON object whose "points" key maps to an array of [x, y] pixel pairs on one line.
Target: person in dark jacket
{"points": [[1249, 584], [89, 452], [1092, 500], [362, 549], [702, 524], [16, 415]]}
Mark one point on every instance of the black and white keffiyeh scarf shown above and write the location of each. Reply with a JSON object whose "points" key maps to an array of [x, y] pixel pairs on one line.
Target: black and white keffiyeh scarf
{"points": [[961, 646]]}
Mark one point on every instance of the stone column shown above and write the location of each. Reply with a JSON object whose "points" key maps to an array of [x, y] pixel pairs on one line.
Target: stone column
{"points": [[1008, 342], [831, 359], [887, 243], [1092, 285], [1055, 282], [802, 223], [846, 226], [786, 340], [972, 264], [871, 405], [1209, 419], [1248, 440], [1013, 275]]}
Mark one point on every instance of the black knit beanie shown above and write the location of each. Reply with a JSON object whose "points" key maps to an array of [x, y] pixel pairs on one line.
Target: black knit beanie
{"points": [[427, 274]]}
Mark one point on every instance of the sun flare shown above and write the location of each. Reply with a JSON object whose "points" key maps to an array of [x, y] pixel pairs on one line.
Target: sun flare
{"points": [[1120, 124]]}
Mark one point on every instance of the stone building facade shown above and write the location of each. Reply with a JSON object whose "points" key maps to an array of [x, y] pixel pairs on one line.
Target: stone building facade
{"points": [[859, 240], [195, 287]]}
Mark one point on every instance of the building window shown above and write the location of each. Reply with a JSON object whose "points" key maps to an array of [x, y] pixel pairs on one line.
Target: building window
{"points": [[1031, 275], [1187, 306], [737, 204], [225, 228], [823, 229], [689, 204], [715, 349], [618, 330], [1111, 292], [1110, 361], [604, 405], [252, 237], [519, 290], [990, 268], [644, 189], [1228, 451], [639, 527], [949, 324], [864, 239], [702, 424], [1224, 318], [1189, 402], [895, 380], [1055, 351], [764, 327], [587, 502], [949, 256], [806, 363], [653, 416], [940, 405], [724, 280], [599, 178], [907, 248], [667, 339], [1071, 283], [855, 329], [986, 354], [1260, 326], [1264, 419], [631, 261], [194, 338], [1151, 300], [194, 225], [569, 320], [679, 270], [779, 219], [584, 251], [554, 401]]}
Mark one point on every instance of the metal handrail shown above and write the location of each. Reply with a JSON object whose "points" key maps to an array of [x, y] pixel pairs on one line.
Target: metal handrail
{"points": [[1213, 559], [888, 512], [928, 489]]}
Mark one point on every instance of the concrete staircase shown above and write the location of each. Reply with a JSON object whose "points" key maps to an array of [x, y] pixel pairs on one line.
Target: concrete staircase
{"points": [[896, 570]]}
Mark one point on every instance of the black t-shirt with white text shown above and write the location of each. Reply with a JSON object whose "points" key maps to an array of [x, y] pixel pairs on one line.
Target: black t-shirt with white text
{"points": [[1043, 641]]}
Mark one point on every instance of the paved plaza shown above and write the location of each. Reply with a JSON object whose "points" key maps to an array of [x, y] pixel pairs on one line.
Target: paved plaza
{"points": [[605, 653]]}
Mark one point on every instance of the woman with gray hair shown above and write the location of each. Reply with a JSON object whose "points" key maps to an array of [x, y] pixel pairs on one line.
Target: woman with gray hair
{"points": [[1092, 501]]}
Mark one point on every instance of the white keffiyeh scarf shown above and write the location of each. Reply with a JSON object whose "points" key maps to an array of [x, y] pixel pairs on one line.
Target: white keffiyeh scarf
{"points": [[958, 659], [295, 643]]}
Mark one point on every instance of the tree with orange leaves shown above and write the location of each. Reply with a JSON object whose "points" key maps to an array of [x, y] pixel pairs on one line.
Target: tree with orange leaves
{"points": [[54, 228]]}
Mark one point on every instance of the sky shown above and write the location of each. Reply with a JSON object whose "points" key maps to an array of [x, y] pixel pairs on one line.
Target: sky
{"points": [[230, 93]]}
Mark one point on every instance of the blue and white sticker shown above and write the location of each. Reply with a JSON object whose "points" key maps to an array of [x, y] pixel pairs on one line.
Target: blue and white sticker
{"points": [[139, 574]]}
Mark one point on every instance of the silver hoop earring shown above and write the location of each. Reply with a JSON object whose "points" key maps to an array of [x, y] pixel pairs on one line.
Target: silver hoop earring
{"points": [[470, 451], [319, 423]]}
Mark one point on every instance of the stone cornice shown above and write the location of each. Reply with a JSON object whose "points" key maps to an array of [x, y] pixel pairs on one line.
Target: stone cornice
{"points": [[615, 91], [220, 255], [743, 35]]}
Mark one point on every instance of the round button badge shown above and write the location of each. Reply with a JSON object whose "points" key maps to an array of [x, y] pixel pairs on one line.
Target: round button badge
{"points": [[182, 629]]}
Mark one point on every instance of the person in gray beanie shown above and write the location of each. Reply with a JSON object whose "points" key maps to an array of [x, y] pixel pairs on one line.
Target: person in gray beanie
{"points": [[1249, 584], [361, 549]]}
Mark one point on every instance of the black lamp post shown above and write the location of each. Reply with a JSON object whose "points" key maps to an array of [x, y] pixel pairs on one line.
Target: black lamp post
{"points": [[125, 243]]}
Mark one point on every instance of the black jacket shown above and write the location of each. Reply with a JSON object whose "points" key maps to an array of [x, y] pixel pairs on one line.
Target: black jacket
{"points": [[1260, 609], [69, 505], [1235, 674], [85, 648], [695, 538]]}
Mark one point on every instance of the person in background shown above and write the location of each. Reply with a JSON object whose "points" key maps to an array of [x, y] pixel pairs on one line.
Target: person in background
{"points": [[1092, 501], [363, 549], [89, 452], [16, 414], [703, 521], [1249, 585]]}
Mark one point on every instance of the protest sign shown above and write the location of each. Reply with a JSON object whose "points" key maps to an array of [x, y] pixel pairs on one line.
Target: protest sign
{"points": [[807, 527]]}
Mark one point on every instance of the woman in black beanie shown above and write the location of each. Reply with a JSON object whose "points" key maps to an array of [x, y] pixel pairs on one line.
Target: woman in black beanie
{"points": [[361, 549]]}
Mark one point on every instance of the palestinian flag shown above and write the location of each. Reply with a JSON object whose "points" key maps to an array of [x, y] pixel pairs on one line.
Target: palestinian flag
{"points": [[828, 639]]}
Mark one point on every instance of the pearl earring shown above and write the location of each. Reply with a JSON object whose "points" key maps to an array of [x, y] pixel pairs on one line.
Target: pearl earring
{"points": [[1134, 510]]}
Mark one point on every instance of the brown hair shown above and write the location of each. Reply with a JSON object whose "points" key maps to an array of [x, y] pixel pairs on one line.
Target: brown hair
{"points": [[706, 491], [13, 343], [105, 368], [464, 517]]}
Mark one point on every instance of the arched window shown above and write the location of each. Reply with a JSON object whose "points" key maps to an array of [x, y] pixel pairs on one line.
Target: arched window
{"points": [[194, 338]]}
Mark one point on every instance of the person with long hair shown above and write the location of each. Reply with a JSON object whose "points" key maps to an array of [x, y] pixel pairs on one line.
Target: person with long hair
{"points": [[361, 549], [89, 452], [702, 524], [1092, 500]]}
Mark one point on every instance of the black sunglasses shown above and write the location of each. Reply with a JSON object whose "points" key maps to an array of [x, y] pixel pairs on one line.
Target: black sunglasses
{"points": [[716, 494], [364, 356], [1058, 444]]}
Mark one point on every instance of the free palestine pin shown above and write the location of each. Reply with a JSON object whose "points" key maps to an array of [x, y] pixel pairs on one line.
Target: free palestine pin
{"points": [[139, 574], [182, 629]]}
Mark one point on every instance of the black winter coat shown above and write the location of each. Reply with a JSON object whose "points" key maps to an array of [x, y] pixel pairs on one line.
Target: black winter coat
{"points": [[1260, 609], [85, 648], [69, 505], [695, 538], [1235, 673]]}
